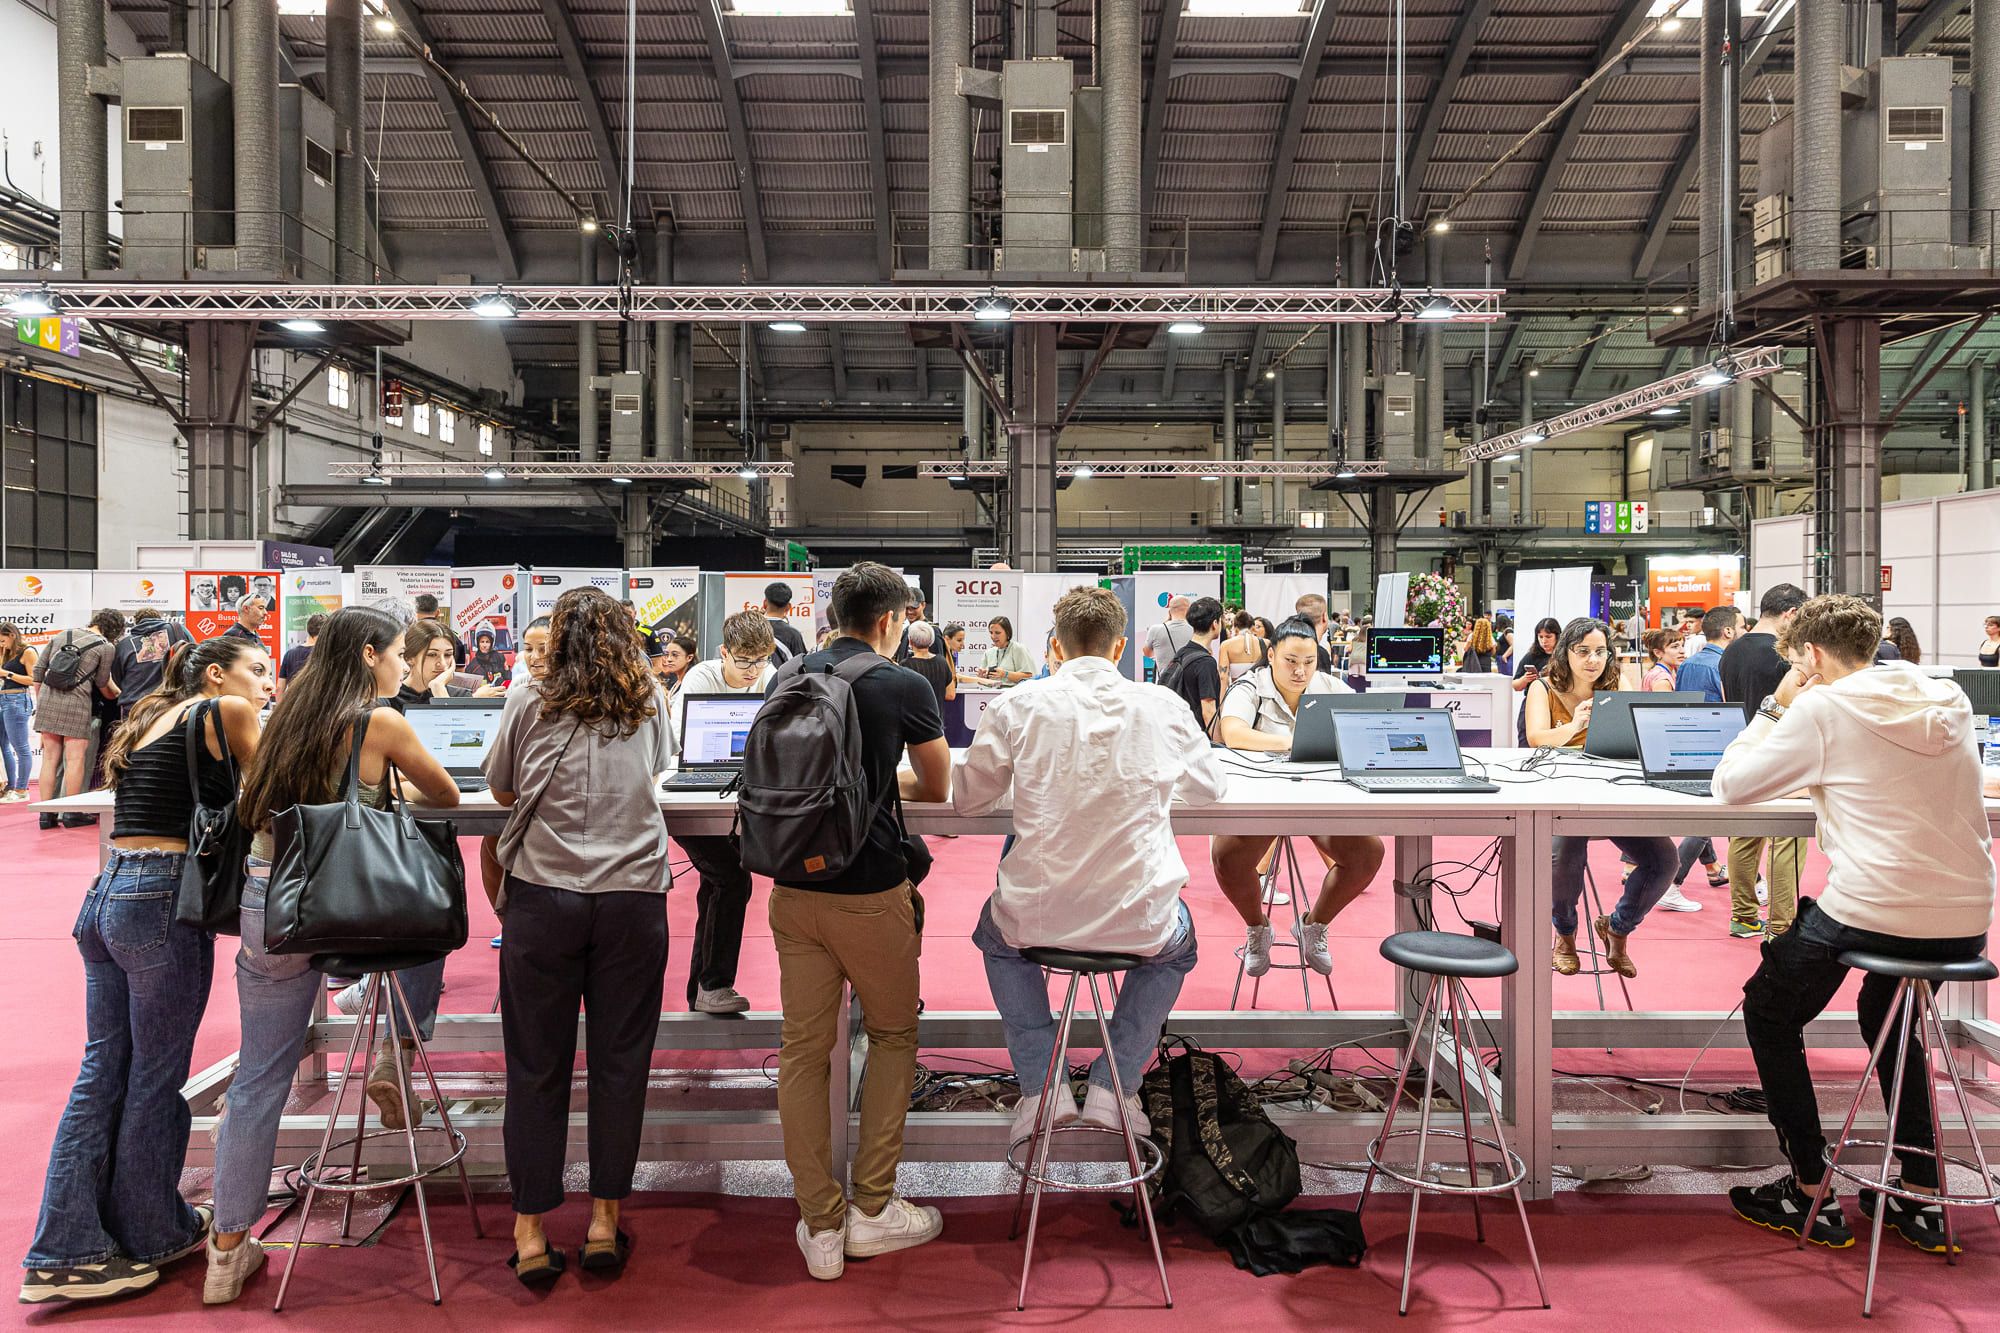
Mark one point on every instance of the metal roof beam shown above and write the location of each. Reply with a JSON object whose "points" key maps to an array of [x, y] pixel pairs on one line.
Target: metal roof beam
{"points": [[477, 169], [1293, 126], [1156, 107], [710, 14], [1464, 38], [1922, 30], [1631, 14], [570, 46], [878, 153], [1599, 336], [836, 355]]}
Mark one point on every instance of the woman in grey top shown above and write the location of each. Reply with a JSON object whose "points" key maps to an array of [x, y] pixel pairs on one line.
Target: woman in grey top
{"points": [[578, 758]]}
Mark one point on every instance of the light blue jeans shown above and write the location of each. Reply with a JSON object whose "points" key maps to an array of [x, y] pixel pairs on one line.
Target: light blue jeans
{"points": [[16, 750], [275, 993], [1146, 997]]}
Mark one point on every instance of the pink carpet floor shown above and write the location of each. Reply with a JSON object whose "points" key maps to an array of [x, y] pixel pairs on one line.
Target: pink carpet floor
{"points": [[1657, 1261]]}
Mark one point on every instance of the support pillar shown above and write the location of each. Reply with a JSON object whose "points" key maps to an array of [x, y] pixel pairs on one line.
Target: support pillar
{"points": [[1847, 452], [81, 139], [1226, 451], [1356, 406], [1382, 530], [1031, 459], [1430, 441], [1280, 493], [1975, 423], [586, 361], [1524, 471], [635, 526], [221, 360], [350, 167]]}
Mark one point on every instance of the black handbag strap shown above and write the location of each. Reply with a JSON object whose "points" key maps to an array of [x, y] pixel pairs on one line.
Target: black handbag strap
{"points": [[534, 801], [192, 725]]}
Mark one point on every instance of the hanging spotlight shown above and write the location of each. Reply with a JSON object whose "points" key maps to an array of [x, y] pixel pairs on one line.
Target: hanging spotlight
{"points": [[785, 326], [1186, 327], [749, 472], [385, 25], [375, 478], [621, 481], [1718, 375], [496, 304], [587, 223], [1442, 224], [1438, 307], [1344, 473], [36, 304], [1511, 458], [301, 326], [1534, 371], [1210, 476], [1270, 374], [993, 308], [1083, 472], [1533, 435], [1677, 310], [1667, 411], [495, 474]]}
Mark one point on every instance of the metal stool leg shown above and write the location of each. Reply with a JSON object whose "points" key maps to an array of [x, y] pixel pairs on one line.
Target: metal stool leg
{"points": [[1402, 1080], [1038, 1158], [1131, 1145], [1045, 1116], [444, 1117], [1929, 1007], [1964, 1108], [1487, 1092], [325, 1144], [370, 1020], [1458, 1053], [1909, 997], [1423, 1152], [399, 1008], [1847, 1126], [1598, 967]]}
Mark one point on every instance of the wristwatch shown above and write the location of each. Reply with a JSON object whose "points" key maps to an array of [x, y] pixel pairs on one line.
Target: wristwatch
{"points": [[1771, 708]]}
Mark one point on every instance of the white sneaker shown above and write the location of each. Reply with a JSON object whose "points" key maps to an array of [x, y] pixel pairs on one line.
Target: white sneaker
{"points": [[1029, 1109], [721, 1000], [1763, 892], [228, 1270], [1257, 950], [1673, 900], [825, 1257], [352, 1000], [900, 1225], [1311, 937], [1101, 1108]]}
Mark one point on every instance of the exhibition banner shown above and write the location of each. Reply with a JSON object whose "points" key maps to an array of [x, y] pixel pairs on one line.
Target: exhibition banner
{"points": [[395, 588], [822, 601], [488, 600], [668, 600], [549, 584], [1690, 585], [136, 590], [212, 595], [305, 592], [1274, 596], [44, 602], [742, 592], [972, 598]]}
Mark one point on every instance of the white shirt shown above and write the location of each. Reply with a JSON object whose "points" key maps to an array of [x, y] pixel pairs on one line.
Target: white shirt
{"points": [[706, 678], [1255, 700], [1093, 763]]}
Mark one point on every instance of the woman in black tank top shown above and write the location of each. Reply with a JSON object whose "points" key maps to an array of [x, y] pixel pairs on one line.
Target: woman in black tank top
{"points": [[1989, 648], [113, 1186]]}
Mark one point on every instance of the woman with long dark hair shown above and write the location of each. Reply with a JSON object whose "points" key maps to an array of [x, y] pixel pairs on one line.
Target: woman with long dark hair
{"points": [[1557, 713], [578, 758], [112, 1212], [17, 705], [1904, 637], [303, 761]]}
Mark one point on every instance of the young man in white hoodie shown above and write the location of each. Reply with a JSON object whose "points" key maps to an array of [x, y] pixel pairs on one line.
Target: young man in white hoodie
{"points": [[1888, 757]]}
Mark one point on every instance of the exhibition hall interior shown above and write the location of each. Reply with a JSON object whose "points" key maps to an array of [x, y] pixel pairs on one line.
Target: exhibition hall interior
{"points": [[982, 662]]}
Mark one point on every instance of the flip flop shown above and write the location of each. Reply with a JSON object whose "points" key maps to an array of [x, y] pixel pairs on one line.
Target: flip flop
{"points": [[606, 1256], [540, 1271]]}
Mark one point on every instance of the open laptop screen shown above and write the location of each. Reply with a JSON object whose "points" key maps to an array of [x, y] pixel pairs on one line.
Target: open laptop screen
{"points": [[716, 727], [1420, 740], [1684, 740], [459, 736]]}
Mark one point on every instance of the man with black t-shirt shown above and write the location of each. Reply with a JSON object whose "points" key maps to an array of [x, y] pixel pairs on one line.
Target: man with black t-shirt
{"points": [[1751, 668], [1196, 677], [141, 657], [862, 928], [778, 610]]}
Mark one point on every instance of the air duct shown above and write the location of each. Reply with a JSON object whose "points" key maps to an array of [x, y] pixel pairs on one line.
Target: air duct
{"points": [[81, 137], [586, 360], [1985, 125], [669, 391], [1118, 47], [253, 60], [972, 424], [1816, 131], [1356, 405], [350, 172], [1524, 471], [1715, 121], [177, 26], [950, 135]]}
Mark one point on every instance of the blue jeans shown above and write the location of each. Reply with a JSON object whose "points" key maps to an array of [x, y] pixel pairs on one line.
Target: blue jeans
{"points": [[15, 749], [1146, 997], [113, 1184], [1653, 861], [275, 993]]}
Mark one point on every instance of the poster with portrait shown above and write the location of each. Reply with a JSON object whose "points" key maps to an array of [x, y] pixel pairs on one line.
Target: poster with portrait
{"points": [[550, 584], [212, 595], [305, 592], [668, 600], [43, 603], [486, 615], [395, 588], [161, 591]]}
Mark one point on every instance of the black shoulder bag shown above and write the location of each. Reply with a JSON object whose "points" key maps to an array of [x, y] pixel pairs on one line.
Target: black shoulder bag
{"points": [[354, 882], [211, 893]]}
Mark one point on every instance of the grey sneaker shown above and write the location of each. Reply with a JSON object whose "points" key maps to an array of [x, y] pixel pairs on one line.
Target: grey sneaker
{"points": [[1257, 950], [721, 1000], [228, 1270], [116, 1276], [389, 1087]]}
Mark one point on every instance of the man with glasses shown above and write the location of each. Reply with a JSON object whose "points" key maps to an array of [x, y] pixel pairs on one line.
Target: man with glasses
{"points": [[744, 667]]}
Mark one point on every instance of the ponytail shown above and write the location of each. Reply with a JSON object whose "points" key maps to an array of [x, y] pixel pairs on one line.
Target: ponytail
{"points": [[180, 681]]}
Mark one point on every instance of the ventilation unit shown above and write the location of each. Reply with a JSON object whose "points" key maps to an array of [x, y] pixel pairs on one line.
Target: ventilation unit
{"points": [[305, 183], [177, 157]]}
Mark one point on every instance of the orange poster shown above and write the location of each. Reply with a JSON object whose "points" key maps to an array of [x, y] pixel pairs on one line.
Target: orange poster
{"points": [[1689, 586]]}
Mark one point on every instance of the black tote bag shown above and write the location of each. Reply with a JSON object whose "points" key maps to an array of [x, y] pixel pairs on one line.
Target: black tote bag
{"points": [[356, 882], [211, 894]]}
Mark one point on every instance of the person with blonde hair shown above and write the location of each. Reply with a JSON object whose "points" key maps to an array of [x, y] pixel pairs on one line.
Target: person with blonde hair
{"points": [[1478, 655]]}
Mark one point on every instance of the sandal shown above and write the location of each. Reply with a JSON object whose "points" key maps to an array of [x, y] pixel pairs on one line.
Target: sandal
{"points": [[606, 1256], [1614, 949], [1718, 883], [540, 1271], [1563, 958]]}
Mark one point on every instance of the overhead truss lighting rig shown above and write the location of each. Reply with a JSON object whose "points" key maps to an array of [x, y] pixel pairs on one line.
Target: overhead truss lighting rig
{"points": [[1307, 469], [1729, 368], [987, 305], [490, 470]]}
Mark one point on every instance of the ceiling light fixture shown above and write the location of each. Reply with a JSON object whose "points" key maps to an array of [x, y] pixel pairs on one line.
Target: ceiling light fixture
{"points": [[1533, 435], [1677, 310], [621, 481], [1210, 476], [1442, 224], [1083, 472], [301, 326], [496, 304], [38, 303], [1667, 411], [495, 474], [1186, 327], [587, 223], [749, 472], [1270, 374], [385, 25], [375, 479], [1718, 375], [785, 326], [993, 309], [1510, 458]]}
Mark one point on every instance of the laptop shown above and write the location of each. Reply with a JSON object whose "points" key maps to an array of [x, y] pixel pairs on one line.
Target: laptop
{"points": [[1314, 740], [1610, 735], [458, 733], [1413, 750], [1680, 744], [714, 728]]}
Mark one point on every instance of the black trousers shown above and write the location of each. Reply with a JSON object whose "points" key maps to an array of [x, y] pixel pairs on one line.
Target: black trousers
{"points": [[1797, 979], [609, 952], [720, 906]]}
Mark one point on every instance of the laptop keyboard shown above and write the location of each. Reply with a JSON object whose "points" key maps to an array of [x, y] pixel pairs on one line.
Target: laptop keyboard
{"points": [[702, 781], [1418, 784], [1684, 787]]}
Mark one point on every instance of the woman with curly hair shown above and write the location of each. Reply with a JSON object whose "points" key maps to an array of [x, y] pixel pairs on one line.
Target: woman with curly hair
{"points": [[578, 758]]}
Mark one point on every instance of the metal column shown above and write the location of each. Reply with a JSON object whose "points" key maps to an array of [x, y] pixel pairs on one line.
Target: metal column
{"points": [[1226, 451], [221, 363], [669, 391], [350, 167], [253, 91], [950, 140], [1031, 472], [1816, 122], [1847, 452], [1430, 443], [1985, 122], [81, 138], [586, 361], [1357, 345], [1524, 471], [1975, 425], [635, 526], [1279, 493], [1122, 35]]}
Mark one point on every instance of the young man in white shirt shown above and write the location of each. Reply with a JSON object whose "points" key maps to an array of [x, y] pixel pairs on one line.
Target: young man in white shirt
{"points": [[743, 667], [1888, 756], [1093, 763]]}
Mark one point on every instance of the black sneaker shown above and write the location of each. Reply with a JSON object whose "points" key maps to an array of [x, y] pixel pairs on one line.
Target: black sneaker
{"points": [[1921, 1224], [1781, 1206], [116, 1276]]}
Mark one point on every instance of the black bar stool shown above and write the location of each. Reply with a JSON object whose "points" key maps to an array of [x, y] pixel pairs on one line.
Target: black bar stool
{"points": [[1916, 1001], [384, 1005], [1035, 1171], [1448, 960]]}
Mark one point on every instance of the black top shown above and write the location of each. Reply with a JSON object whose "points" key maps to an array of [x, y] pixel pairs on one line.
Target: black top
{"points": [[140, 658], [18, 666], [407, 698], [897, 709], [1888, 652], [935, 670], [1991, 659], [153, 799], [237, 631], [790, 640], [492, 668], [1534, 657], [294, 660], [1200, 679], [1751, 668]]}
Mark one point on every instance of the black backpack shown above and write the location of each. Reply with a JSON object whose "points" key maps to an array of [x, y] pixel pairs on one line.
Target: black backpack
{"points": [[1226, 1163], [64, 669], [802, 802]]}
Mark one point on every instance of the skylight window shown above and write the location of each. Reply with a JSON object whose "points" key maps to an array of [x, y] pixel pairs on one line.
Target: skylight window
{"points": [[1248, 9], [790, 8]]}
